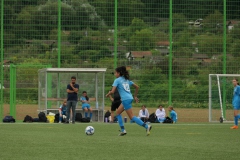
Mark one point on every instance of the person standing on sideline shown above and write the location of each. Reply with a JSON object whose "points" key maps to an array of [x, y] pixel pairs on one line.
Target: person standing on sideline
{"points": [[161, 114], [173, 114], [72, 98], [236, 102], [116, 102], [144, 114], [122, 83], [85, 105]]}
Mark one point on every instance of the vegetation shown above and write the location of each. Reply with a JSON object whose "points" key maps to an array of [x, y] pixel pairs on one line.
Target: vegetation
{"points": [[87, 38]]}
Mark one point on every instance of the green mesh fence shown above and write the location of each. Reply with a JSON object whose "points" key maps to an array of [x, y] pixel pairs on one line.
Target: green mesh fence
{"points": [[169, 47]]}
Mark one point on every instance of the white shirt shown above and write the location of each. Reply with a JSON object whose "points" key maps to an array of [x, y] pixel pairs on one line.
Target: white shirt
{"points": [[143, 114], [160, 114]]}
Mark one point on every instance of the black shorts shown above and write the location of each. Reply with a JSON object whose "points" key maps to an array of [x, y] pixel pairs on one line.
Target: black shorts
{"points": [[115, 105]]}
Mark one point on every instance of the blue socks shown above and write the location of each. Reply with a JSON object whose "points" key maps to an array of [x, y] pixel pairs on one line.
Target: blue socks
{"points": [[120, 122], [236, 119], [86, 113], [90, 115], [60, 119], [139, 122]]}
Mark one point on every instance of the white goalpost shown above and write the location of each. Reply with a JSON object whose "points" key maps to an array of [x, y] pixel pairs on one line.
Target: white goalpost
{"points": [[220, 97]]}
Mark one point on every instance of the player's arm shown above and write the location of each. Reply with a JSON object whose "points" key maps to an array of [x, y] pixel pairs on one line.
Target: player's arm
{"points": [[70, 91], [112, 91], [136, 92], [110, 96], [75, 89]]}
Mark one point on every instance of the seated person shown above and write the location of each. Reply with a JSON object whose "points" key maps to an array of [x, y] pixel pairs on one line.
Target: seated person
{"points": [[62, 110], [85, 104], [144, 114], [173, 114], [161, 114]]}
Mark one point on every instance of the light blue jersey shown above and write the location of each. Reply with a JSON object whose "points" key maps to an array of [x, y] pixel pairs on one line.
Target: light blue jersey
{"points": [[84, 104], [173, 115], [123, 86], [63, 108], [236, 98]]}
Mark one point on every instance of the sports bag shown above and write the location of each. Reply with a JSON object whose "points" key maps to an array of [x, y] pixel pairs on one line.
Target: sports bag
{"points": [[8, 119]]}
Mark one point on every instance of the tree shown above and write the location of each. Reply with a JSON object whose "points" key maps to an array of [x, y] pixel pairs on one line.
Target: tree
{"points": [[143, 40]]}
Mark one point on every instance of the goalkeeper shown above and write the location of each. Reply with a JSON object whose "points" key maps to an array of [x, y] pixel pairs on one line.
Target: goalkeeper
{"points": [[236, 102]]}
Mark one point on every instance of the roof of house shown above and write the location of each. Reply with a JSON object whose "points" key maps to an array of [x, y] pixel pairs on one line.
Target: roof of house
{"points": [[163, 43], [140, 54]]}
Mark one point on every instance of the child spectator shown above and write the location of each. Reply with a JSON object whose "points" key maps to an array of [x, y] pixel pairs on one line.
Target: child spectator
{"points": [[62, 110], [173, 114], [85, 104]]}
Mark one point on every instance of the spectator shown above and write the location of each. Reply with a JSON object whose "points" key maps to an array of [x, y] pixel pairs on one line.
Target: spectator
{"points": [[62, 110], [161, 114], [85, 104], [144, 114], [173, 114], [72, 90]]}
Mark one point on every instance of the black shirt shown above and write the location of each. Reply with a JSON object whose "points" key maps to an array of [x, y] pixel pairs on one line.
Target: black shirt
{"points": [[72, 96]]}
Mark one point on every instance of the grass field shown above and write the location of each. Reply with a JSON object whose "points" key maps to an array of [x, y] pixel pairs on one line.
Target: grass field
{"points": [[180, 141]]}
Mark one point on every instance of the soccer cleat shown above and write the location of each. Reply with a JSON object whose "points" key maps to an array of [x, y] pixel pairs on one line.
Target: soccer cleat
{"points": [[149, 129], [234, 127], [123, 133]]}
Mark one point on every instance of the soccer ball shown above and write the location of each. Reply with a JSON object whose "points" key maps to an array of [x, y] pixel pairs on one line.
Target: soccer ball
{"points": [[89, 130]]}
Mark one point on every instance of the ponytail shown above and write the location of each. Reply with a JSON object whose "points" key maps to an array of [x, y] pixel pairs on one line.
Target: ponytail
{"points": [[123, 72]]}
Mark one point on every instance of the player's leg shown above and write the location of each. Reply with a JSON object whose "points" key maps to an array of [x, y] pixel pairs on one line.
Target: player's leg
{"points": [[60, 117], [120, 121], [236, 117], [84, 108], [74, 104], [128, 108], [113, 109], [90, 110], [69, 103]]}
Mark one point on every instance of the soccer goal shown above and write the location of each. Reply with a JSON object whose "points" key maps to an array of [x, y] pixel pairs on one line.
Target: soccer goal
{"points": [[220, 97]]}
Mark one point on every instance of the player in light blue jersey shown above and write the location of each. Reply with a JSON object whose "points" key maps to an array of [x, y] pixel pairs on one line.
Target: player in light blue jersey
{"points": [[236, 102], [85, 105], [122, 83], [62, 110], [173, 114]]}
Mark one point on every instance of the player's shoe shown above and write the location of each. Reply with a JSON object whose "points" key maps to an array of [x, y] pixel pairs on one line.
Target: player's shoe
{"points": [[234, 127], [123, 133], [149, 129]]}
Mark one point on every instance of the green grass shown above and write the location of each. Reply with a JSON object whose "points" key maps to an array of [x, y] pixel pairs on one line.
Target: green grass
{"points": [[166, 142]]}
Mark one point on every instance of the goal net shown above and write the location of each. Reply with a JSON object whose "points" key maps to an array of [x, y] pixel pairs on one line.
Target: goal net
{"points": [[220, 97]]}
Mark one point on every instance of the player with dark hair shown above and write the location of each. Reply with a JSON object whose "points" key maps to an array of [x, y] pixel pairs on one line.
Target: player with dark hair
{"points": [[72, 90], [236, 102], [85, 104], [122, 83], [173, 114]]}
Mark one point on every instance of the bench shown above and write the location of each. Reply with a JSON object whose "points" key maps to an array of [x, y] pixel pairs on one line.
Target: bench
{"points": [[97, 113]]}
